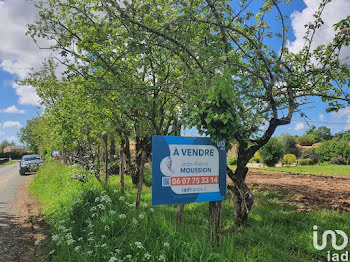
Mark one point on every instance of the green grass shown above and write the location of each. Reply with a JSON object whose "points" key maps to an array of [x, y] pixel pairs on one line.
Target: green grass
{"points": [[94, 223], [317, 169], [8, 163]]}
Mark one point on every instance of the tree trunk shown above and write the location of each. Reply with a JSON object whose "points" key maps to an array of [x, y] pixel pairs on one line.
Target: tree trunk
{"points": [[140, 182], [112, 149], [242, 196], [215, 220], [105, 144], [121, 168]]}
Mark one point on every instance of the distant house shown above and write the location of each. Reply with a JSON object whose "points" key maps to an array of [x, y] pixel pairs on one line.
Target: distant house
{"points": [[308, 147], [11, 149]]}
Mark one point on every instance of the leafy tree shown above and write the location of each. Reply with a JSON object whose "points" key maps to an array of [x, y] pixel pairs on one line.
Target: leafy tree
{"points": [[334, 149], [320, 134], [4, 144], [272, 152], [235, 82], [346, 137], [289, 144]]}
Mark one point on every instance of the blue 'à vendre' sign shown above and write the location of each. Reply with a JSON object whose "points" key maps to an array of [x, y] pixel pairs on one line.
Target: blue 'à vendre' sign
{"points": [[187, 169]]}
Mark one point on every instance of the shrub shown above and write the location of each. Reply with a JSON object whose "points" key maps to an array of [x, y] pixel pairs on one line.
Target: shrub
{"points": [[314, 158], [305, 162], [334, 148], [232, 161], [289, 159], [338, 160], [306, 140], [257, 158], [272, 152]]}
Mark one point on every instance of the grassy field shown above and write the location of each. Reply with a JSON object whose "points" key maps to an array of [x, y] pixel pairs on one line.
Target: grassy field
{"points": [[94, 223]]}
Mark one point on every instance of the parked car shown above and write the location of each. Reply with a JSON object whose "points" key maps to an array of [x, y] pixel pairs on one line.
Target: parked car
{"points": [[29, 164]]}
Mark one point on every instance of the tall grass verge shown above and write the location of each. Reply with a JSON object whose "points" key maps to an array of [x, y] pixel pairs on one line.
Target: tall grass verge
{"points": [[91, 222]]}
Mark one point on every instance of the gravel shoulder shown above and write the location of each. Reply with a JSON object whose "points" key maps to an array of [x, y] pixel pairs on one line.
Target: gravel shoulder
{"points": [[22, 229]]}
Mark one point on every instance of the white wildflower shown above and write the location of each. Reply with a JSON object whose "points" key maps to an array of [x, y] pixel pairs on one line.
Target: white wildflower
{"points": [[101, 206], [97, 199], [89, 252], [128, 256], [103, 245], [37, 242], [117, 250], [122, 216], [166, 244], [151, 209], [134, 221], [147, 256], [54, 237], [112, 212], [142, 216], [106, 227], [138, 244], [121, 198], [91, 239], [70, 242], [162, 258], [76, 248], [52, 252], [115, 190], [80, 239], [103, 236], [144, 205], [112, 259], [69, 236], [93, 208]]}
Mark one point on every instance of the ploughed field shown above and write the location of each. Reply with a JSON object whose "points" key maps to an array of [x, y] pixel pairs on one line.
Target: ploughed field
{"points": [[307, 191]]}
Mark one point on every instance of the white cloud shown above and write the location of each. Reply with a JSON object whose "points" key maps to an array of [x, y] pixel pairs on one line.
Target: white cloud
{"points": [[2, 133], [321, 117], [341, 116], [299, 126], [333, 13], [12, 124], [18, 53], [13, 110]]}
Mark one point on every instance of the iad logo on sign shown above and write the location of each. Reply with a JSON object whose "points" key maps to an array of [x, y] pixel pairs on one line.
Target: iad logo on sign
{"points": [[343, 256], [187, 169]]}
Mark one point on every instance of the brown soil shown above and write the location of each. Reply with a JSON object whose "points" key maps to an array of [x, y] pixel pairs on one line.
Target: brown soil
{"points": [[306, 191], [23, 230]]}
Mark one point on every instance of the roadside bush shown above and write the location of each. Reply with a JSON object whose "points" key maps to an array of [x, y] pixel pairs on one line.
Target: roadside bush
{"points": [[272, 152], [338, 160], [333, 148], [306, 140], [305, 162], [289, 159], [232, 161]]}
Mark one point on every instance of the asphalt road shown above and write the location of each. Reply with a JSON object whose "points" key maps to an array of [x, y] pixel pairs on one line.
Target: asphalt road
{"points": [[10, 180]]}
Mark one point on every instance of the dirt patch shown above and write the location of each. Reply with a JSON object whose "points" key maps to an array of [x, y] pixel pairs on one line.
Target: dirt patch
{"points": [[23, 229], [307, 191]]}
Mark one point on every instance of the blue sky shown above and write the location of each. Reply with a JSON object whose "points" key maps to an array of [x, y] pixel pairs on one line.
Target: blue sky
{"points": [[18, 54]]}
